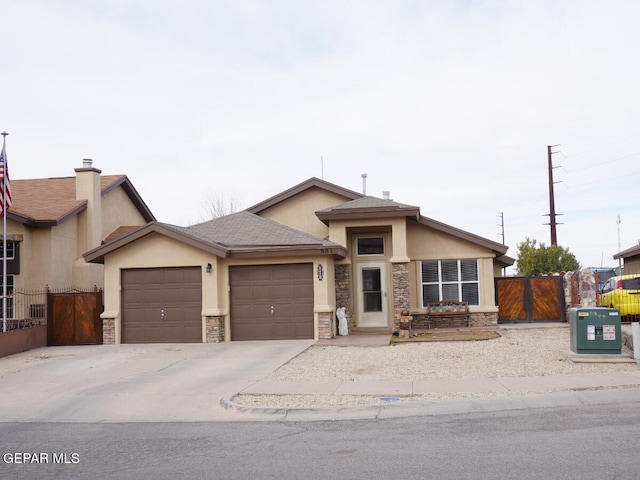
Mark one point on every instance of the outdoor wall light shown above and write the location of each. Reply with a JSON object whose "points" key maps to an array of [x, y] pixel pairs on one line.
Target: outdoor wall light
{"points": [[320, 272], [208, 268]]}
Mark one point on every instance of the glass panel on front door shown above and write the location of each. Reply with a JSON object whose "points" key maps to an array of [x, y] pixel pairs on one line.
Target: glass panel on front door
{"points": [[372, 289]]}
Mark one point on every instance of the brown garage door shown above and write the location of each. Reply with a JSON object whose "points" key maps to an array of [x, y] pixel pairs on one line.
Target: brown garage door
{"points": [[271, 302], [162, 305]]}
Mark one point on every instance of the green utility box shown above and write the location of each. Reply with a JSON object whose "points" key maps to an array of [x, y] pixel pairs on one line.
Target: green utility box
{"points": [[595, 330]]}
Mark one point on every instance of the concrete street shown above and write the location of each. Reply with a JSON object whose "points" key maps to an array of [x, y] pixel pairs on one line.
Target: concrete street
{"points": [[570, 443], [198, 382]]}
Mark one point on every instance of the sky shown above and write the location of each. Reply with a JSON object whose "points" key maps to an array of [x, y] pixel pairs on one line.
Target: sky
{"points": [[448, 105]]}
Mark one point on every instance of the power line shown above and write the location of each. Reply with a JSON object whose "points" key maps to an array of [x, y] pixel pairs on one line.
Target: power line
{"points": [[601, 180], [602, 146], [601, 163]]}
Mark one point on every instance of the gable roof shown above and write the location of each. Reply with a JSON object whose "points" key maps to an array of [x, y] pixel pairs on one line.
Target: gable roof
{"points": [[241, 234], [171, 231], [46, 202], [362, 206], [313, 182]]}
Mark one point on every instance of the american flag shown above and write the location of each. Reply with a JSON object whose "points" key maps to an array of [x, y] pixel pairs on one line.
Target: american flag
{"points": [[4, 182]]}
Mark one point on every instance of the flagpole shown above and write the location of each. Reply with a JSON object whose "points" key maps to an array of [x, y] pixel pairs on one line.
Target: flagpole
{"points": [[4, 232]]}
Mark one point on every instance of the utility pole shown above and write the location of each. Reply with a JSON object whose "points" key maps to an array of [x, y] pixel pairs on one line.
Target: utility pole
{"points": [[618, 221], [501, 225], [552, 204]]}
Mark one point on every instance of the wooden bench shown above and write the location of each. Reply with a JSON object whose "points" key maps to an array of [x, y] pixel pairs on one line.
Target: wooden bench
{"points": [[447, 309]]}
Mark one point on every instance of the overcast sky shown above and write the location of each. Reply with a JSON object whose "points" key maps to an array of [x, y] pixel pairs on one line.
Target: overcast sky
{"points": [[449, 105]]}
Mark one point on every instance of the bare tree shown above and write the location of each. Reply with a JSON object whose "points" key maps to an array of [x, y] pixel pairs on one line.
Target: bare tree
{"points": [[218, 204]]}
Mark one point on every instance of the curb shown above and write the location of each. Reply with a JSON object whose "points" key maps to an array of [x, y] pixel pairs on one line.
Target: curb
{"points": [[358, 411], [428, 408]]}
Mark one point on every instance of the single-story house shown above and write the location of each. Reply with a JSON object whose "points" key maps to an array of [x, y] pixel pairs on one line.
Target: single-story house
{"points": [[280, 269]]}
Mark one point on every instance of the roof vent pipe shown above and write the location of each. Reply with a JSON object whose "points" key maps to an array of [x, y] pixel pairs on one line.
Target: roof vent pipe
{"points": [[385, 194], [87, 163], [364, 183]]}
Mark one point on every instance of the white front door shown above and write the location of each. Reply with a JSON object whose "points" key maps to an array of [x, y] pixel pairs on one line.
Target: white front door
{"points": [[372, 295]]}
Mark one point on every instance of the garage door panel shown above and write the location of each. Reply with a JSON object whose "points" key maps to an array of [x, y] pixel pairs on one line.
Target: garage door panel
{"points": [[151, 276], [288, 288], [284, 291], [303, 330], [148, 293]]}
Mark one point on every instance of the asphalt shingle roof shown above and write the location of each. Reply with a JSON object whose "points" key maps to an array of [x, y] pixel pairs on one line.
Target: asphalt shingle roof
{"points": [[50, 199], [247, 229]]}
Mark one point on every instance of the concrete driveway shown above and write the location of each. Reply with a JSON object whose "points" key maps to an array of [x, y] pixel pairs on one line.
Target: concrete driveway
{"points": [[135, 383]]}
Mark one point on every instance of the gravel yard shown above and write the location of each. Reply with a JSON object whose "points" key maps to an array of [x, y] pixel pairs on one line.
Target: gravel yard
{"points": [[517, 353]]}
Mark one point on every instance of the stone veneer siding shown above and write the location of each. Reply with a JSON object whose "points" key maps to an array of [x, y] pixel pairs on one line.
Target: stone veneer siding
{"points": [[108, 331], [215, 329], [343, 291], [324, 325], [400, 273], [477, 320]]}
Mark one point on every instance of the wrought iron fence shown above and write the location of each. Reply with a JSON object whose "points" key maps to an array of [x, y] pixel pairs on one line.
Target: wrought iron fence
{"points": [[28, 308], [25, 309]]}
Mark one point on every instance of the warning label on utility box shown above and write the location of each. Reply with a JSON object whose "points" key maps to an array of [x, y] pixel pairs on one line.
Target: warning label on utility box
{"points": [[608, 332], [591, 332]]}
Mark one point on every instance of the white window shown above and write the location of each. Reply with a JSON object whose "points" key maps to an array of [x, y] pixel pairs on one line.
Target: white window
{"points": [[450, 280]]}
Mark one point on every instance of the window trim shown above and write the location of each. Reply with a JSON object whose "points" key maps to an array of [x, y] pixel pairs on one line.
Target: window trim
{"points": [[459, 282], [11, 287], [11, 250], [384, 246]]}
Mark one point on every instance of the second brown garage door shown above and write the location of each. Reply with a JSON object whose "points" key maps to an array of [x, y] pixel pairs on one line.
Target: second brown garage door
{"points": [[162, 305], [271, 302]]}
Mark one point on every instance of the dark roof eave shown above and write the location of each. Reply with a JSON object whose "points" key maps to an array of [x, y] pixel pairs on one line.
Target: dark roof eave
{"points": [[360, 213], [97, 254], [629, 252], [505, 260], [46, 222], [254, 251]]}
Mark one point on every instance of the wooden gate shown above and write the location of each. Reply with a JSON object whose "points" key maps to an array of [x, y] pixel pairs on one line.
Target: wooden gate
{"points": [[530, 299], [73, 318]]}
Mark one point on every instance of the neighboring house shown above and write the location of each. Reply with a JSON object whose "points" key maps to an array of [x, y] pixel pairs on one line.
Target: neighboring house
{"points": [[53, 221], [281, 268], [630, 258]]}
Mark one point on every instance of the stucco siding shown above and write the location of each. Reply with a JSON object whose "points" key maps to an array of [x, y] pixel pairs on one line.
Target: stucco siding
{"points": [[299, 211], [428, 244], [64, 252], [117, 211], [156, 250]]}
